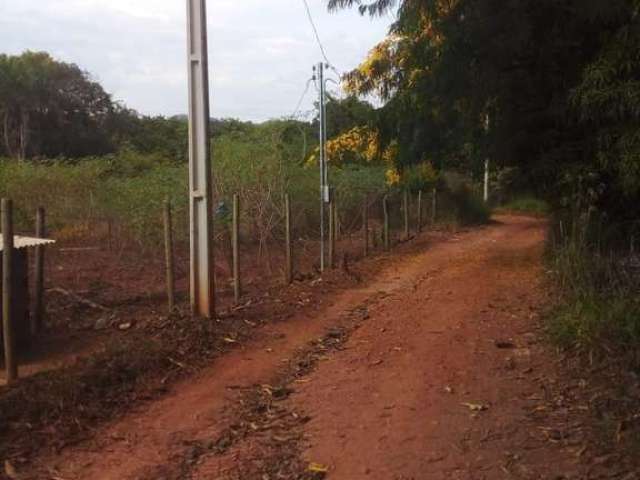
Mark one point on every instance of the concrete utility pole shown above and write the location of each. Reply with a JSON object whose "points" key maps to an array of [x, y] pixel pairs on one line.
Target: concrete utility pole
{"points": [[486, 165], [324, 184], [200, 178], [486, 180]]}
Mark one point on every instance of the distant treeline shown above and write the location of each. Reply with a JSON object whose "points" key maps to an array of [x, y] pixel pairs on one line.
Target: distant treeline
{"points": [[51, 109]]}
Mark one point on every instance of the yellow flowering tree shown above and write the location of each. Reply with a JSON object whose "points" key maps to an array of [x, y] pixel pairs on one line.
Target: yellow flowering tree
{"points": [[358, 145]]}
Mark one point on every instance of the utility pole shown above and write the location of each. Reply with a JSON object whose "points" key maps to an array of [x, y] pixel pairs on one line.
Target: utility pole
{"points": [[200, 178], [324, 185], [486, 164]]}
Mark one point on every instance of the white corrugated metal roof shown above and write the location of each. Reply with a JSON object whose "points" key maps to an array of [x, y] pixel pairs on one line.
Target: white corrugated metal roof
{"points": [[26, 242]]}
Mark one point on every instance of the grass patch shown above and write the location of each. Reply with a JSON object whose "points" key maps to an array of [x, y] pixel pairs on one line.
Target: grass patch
{"points": [[527, 204], [598, 309], [604, 323]]}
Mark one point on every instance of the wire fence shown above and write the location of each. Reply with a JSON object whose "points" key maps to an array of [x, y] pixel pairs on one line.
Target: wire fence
{"points": [[97, 266]]}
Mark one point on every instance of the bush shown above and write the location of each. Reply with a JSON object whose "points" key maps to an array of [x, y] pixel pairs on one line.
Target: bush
{"points": [[527, 204], [124, 193], [599, 305], [67, 189], [469, 207]]}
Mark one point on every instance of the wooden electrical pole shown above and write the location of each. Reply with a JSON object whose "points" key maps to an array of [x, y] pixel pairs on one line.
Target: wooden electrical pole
{"points": [[332, 233], [235, 238], [365, 224], [288, 240], [434, 206], [168, 255], [419, 222], [10, 363], [385, 210], [405, 208], [486, 163]]}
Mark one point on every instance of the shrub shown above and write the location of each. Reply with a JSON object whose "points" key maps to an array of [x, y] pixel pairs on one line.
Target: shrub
{"points": [[599, 306], [527, 204], [469, 207]]}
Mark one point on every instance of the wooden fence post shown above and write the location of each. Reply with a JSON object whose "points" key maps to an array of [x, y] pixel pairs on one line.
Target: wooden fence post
{"points": [[168, 255], [419, 223], [365, 224], [434, 206], [38, 300], [405, 208], [289, 246], [338, 226], [7, 285], [237, 286], [332, 233], [385, 235]]}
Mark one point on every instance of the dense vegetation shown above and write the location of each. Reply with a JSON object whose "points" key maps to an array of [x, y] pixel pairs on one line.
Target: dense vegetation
{"points": [[549, 91], [103, 169]]}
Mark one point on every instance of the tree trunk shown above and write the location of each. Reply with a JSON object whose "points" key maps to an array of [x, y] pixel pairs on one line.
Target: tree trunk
{"points": [[24, 134], [7, 135]]}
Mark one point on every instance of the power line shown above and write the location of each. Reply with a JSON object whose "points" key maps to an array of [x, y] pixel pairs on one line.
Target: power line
{"points": [[315, 31], [304, 94]]}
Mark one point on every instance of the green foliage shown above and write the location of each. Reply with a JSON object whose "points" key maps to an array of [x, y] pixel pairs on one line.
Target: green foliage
{"points": [[68, 190], [263, 164], [352, 183], [420, 177], [165, 136], [592, 323], [599, 309], [50, 108], [528, 68], [347, 113], [470, 208], [464, 204], [558, 83], [527, 204], [135, 200], [607, 103], [126, 191]]}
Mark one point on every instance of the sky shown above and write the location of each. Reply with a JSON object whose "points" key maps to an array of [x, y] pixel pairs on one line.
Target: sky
{"points": [[261, 52]]}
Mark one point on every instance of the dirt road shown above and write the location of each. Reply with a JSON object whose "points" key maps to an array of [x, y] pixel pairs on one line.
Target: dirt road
{"points": [[432, 370]]}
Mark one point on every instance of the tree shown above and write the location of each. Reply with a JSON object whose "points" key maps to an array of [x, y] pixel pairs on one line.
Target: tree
{"points": [[51, 108], [447, 65]]}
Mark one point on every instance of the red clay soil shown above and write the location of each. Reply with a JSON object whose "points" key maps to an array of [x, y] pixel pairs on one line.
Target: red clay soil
{"points": [[443, 375]]}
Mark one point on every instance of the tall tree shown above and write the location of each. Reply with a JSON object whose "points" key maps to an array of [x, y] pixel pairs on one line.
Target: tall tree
{"points": [[448, 65], [51, 108]]}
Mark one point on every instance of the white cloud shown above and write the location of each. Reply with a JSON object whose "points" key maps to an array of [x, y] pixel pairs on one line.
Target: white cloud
{"points": [[261, 52]]}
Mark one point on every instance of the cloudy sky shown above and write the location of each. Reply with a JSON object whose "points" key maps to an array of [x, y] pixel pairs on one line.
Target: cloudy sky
{"points": [[261, 51]]}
